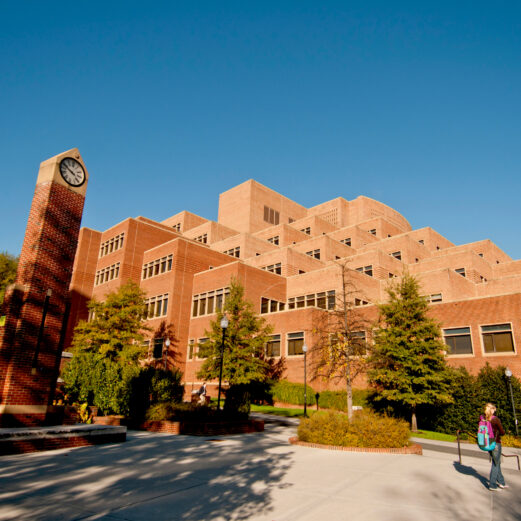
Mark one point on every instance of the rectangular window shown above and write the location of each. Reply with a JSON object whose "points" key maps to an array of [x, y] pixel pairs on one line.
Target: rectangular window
{"points": [[331, 299], [460, 271], [191, 347], [202, 238], [271, 216], [300, 302], [157, 266], [201, 347], [310, 300], [158, 348], [210, 303], [265, 305], [358, 343], [106, 274], [421, 241], [274, 240], [295, 343], [273, 346], [314, 253], [274, 268], [397, 255], [373, 231], [234, 252], [156, 306], [321, 300], [112, 244], [307, 230], [498, 338], [458, 340], [346, 241], [436, 297], [368, 270]]}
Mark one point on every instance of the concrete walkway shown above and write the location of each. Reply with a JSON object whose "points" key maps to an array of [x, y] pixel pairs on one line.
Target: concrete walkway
{"points": [[157, 477]]}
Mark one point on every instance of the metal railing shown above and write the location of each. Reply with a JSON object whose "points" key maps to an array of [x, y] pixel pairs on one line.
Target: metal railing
{"points": [[474, 436]]}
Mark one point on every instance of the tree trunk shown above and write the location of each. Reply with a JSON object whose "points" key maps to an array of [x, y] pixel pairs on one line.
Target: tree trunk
{"points": [[349, 390], [414, 425]]}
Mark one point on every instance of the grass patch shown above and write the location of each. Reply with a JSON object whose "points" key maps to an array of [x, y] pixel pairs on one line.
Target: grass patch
{"points": [[279, 411], [431, 435]]}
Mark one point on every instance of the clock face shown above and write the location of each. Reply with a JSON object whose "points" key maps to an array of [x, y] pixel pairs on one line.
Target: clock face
{"points": [[72, 171]]}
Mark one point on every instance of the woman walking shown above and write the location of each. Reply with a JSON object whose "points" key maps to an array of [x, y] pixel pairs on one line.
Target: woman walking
{"points": [[496, 476]]}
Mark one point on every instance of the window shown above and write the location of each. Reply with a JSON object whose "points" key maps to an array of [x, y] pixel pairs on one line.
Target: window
{"points": [[361, 302], [324, 300], [436, 297], [421, 241], [177, 227], [295, 343], [458, 340], [480, 254], [357, 341], [346, 241], [331, 299], [397, 255], [201, 347], [271, 216], [156, 306], [271, 306], [274, 268], [272, 347], [209, 302], [314, 253], [110, 245], [368, 270], [158, 348], [373, 231], [497, 338], [300, 272], [291, 220], [191, 349], [274, 240], [234, 252], [307, 230], [106, 274], [202, 238], [461, 271], [391, 275], [157, 267]]}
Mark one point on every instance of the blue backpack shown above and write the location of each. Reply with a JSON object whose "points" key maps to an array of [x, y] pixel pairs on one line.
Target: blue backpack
{"points": [[485, 436]]}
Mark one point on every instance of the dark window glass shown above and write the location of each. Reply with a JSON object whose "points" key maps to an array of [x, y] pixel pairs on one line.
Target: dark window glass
{"points": [[458, 340], [158, 348], [264, 305], [273, 346], [498, 338], [295, 343]]}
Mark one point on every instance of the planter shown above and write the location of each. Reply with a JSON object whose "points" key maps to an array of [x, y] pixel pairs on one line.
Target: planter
{"points": [[203, 428]]}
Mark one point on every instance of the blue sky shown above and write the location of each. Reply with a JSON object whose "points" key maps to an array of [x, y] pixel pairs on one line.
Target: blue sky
{"points": [[415, 104]]}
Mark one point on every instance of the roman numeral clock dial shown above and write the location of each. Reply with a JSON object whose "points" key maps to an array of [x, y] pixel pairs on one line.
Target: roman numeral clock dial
{"points": [[72, 171]]}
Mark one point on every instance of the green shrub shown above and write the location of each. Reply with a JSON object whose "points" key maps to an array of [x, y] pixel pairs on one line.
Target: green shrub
{"points": [[366, 429], [289, 392], [338, 399]]}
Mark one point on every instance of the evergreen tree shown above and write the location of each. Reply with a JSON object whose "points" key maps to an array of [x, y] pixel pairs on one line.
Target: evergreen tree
{"points": [[409, 365], [116, 328], [8, 266], [244, 361]]}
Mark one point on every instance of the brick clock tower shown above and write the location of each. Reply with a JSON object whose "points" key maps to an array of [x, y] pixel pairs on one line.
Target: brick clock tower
{"points": [[36, 306]]}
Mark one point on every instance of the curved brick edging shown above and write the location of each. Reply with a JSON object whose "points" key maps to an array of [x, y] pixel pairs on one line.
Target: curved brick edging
{"points": [[411, 449]]}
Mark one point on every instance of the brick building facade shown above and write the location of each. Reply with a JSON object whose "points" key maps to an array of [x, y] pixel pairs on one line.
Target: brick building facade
{"points": [[287, 256]]}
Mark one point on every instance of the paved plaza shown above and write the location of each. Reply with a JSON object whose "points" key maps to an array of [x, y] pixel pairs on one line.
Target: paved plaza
{"points": [[157, 477]]}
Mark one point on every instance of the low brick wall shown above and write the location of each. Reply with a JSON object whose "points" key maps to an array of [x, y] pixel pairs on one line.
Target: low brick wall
{"points": [[203, 429], [109, 420], [411, 449], [19, 441]]}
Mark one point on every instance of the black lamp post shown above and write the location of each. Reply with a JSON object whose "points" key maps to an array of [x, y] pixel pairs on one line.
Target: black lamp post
{"points": [[508, 374], [224, 325], [305, 350]]}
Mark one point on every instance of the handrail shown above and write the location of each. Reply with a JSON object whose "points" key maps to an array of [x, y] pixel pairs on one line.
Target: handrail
{"points": [[475, 437]]}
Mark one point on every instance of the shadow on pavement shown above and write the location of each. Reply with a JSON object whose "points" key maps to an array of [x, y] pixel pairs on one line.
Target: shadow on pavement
{"points": [[470, 471]]}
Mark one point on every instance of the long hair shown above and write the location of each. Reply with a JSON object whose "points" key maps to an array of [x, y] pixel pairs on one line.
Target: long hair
{"points": [[490, 409]]}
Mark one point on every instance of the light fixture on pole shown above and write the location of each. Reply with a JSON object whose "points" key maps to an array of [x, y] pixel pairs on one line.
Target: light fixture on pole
{"points": [[167, 345], [224, 325], [508, 374], [305, 350]]}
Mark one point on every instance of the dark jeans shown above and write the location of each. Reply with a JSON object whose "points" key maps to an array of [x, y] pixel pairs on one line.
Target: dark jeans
{"points": [[496, 476]]}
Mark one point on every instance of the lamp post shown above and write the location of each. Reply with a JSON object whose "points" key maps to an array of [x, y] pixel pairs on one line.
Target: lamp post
{"points": [[224, 325], [167, 345], [508, 374], [305, 350]]}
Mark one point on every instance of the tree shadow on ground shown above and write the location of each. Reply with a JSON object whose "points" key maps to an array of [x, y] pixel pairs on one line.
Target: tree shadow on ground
{"points": [[152, 476]]}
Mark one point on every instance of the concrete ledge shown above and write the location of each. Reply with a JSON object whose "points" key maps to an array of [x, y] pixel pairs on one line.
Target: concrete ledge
{"points": [[33, 439], [411, 449]]}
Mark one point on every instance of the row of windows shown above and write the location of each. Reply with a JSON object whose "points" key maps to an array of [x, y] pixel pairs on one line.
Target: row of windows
{"points": [[271, 306], [106, 274], [234, 252], [496, 339], [158, 347], [156, 267], [156, 306], [274, 268], [368, 270], [210, 302], [324, 300], [111, 245], [314, 253], [307, 230], [202, 238], [271, 216], [274, 240], [346, 241]]}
